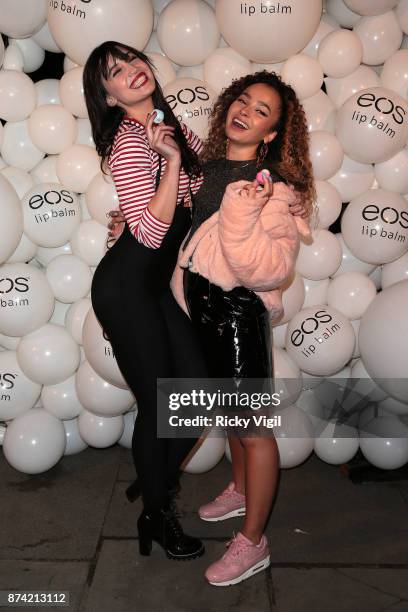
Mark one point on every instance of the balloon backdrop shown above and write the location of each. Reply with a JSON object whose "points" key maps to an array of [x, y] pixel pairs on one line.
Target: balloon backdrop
{"points": [[345, 306]]}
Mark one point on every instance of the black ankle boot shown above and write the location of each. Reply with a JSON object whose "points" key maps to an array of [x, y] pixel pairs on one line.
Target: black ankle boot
{"points": [[163, 527]]}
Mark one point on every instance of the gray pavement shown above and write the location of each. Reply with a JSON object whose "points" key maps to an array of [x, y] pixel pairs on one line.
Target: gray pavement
{"points": [[334, 545]]}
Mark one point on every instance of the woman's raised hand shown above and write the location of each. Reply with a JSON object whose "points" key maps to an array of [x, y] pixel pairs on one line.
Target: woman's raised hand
{"points": [[161, 139]]}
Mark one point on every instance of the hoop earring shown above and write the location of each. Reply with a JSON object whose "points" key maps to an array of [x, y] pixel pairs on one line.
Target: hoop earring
{"points": [[262, 153], [227, 144]]}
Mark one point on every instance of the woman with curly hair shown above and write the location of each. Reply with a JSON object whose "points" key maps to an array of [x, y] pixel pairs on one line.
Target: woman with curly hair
{"points": [[242, 247]]}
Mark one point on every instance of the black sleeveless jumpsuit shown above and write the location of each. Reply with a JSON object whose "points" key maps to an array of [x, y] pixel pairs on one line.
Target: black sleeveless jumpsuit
{"points": [[152, 338]]}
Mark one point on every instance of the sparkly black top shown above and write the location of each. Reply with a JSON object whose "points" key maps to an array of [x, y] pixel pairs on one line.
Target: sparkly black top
{"points": [[217, 175]]}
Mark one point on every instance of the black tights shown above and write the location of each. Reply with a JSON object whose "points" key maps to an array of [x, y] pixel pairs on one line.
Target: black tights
{"points": [[152, 338]]}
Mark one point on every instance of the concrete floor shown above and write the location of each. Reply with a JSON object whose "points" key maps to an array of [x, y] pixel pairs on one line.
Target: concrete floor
{"points": [[72, 529]]}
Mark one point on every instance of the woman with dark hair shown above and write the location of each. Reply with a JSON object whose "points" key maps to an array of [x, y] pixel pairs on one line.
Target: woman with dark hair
{"points": [[242, 247], [155, 169]]}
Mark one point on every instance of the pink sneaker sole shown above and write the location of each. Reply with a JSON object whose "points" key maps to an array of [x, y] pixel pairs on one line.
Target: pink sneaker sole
{"points": [[258, 567], [224, 517]]}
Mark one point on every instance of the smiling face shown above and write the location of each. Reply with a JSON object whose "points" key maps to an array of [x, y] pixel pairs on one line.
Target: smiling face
{"points": [[252, 116], [129, 82]]}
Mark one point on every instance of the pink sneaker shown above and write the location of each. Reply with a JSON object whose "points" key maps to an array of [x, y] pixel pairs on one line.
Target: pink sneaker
{"points": [[242, 560], [229, 503]]}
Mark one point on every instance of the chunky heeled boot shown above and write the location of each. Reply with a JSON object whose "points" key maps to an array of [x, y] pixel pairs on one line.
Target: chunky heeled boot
{"points": [[163, 527]]}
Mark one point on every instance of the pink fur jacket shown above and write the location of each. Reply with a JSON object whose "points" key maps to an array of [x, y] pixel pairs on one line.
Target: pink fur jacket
{"points": [[245, 244]]}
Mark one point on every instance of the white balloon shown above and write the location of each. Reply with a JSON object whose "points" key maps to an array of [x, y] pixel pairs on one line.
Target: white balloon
{"points": [[340, 53], [294, 436], [20, 179], [381, 36], [26, 299], [375, 226], [101, 197], [326, 25], [61, 399], [46, 170], [393, 406], [190, 72], [353, 179], [278, 336], [69, 64], [371, 7], [100, 397], [51, 214], [293, 296], [17, 95], [74, 442], [163, 68], [17, 392], [329, 204], [310, 404], [187, 31], [382, 339], [350, 263], [48, 355], [315, 292], [22, 18], [205, 455], [372, 125], [342, 13], [17, 148], [33, 54], [394, 74], [394, 272], [326, 154], [401, 13], [351, 293], [76, 167], [265, 32], [340, 90], [79, 29], [45, 255], [191, 101], [71, 90], [52, 128], [84, 208], [99, 352], [129, 420], [47, 92], [89, 242], [321, 258], [393, 173], [44, 38], [69, 277], [24, 252], [84, 136], [13, 58], [60, 310], [320, 340], [304, 74], [75, 318], [98, 431], [385, 443], [287, 377], [337, 443], [223, 66], [34, 441], [366, 386], [11, 228], [320, 113]]}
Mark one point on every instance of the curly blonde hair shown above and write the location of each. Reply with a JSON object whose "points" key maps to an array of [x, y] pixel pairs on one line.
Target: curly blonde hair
{"points": [[288, 152]]}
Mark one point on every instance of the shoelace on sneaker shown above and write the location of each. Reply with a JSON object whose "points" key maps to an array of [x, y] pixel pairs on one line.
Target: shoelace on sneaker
{"points": [[225, 494], [235, 547]]}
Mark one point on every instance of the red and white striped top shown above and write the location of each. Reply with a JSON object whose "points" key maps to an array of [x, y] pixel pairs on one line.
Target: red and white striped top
{"points": [[134, 166]]}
